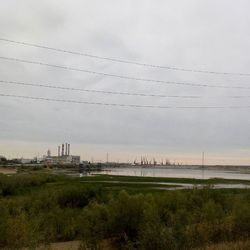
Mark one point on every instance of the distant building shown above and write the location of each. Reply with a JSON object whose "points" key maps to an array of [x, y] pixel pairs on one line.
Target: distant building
{"points": [[25, 161], [63, 156], [76, 159], [38, 159]]}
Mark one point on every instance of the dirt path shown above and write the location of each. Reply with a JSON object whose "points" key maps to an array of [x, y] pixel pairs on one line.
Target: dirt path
{"points": [[74, 245], [7, 170]]}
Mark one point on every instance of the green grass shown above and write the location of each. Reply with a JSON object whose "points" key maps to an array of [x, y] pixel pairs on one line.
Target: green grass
{"points": [[163, 179], [132, 184]]}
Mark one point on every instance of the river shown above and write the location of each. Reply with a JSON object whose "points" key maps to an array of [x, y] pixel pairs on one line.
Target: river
{"points": [[240, 173]]}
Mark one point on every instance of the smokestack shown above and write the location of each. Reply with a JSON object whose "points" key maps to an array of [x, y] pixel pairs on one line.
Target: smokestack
{"points": [[68, 149], [62, 149], [58, 151]]}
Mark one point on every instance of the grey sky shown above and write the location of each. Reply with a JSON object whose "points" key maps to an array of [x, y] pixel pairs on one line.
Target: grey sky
{"points": [[206, 35]]}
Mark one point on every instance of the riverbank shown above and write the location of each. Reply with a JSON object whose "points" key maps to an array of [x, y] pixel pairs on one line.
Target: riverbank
{"points": [[163, 183], [197, 172]]}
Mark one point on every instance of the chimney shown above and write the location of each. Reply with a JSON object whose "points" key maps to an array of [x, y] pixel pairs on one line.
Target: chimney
{"points": [[58, 151], [68, 149], [62, 149]]}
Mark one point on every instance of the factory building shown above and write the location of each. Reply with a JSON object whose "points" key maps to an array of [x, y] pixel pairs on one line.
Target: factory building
{"points": [[63, 156]]}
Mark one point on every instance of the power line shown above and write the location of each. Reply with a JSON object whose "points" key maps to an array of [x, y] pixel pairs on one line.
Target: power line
{"points": [[122, 60], [96, 91], [115, 92], [123, 105], [120, 76]]}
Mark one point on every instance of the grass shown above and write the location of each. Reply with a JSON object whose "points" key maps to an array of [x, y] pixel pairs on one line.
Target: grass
{"points": [[163, 179], [239, 245], [132, 184]]}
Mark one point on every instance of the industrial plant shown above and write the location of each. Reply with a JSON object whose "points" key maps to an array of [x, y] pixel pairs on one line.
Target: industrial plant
{"points": [[63, 156]]}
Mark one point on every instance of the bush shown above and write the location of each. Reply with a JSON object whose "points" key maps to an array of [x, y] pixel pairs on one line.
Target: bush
{"points": [[77, 196], [11, 185], [184, 219]]}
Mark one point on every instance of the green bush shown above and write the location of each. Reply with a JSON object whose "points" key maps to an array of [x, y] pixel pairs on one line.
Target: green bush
{"points": [[69, 210], [10, 185]]}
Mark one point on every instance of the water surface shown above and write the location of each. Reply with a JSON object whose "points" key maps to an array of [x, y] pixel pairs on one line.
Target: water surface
{"points": [[240, 173]]}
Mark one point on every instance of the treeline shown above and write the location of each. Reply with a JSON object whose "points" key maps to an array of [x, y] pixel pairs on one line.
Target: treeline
{"points": [[184, 219], [4, 161]]}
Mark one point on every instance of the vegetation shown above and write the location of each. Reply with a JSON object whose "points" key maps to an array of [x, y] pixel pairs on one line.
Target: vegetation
{"points": [[37, 209], [122, 178], [3, 160]]}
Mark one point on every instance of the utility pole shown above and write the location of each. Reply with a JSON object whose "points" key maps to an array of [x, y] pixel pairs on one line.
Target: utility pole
{"points": [[107, 157], [202, 162]]}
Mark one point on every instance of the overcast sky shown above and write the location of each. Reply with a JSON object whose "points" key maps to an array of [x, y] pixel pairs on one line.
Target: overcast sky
{"points": [[208, 35]]}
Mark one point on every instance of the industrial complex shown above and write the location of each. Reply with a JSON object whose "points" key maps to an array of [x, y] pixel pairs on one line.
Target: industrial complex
{"points": [[63, 157]]}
